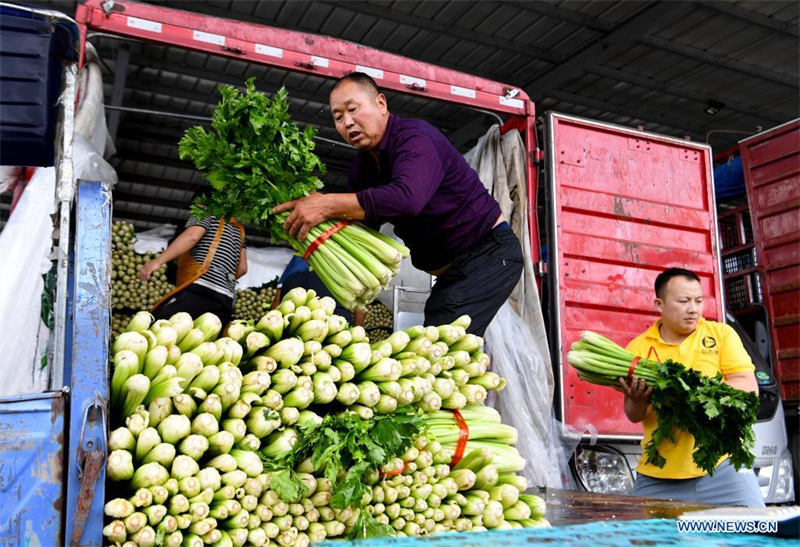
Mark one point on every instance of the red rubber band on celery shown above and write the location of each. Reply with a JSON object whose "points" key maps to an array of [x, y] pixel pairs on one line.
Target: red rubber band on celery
{"points": [[633, 366], [324, 237], [394, 473], [463, 437]]}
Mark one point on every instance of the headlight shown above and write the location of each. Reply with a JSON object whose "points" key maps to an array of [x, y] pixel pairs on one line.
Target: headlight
{"points": [[603, 470], [784, 482], [779, 474]]}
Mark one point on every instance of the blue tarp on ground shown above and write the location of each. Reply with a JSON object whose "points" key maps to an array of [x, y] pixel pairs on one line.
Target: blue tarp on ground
{"points": [[662, 532]]}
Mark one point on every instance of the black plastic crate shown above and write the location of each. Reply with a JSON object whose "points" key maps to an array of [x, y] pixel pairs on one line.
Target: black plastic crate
{"points": [[742, 260], [729, 232], [32, 53], [736, 293], [742, 291]]}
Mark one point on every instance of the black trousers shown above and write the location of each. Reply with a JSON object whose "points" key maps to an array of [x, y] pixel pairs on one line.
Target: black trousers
{"points": [[197, 300], [478, 281]]}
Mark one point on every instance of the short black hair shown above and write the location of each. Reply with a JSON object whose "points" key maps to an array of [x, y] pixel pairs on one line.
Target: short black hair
{"points": [[663, 278], [362, 79]]}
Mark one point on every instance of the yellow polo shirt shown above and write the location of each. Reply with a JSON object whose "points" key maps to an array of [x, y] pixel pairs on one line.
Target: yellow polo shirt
{"points": [[713, 347]]}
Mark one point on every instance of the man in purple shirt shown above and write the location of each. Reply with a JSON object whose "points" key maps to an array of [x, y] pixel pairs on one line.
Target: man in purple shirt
{"points": [[409, 174]]}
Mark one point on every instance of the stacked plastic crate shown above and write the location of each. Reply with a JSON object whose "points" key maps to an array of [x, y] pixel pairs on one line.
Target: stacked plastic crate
{"points": [[742, 284]]}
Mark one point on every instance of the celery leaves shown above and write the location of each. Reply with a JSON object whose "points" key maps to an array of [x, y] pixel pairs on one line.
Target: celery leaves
{"points": [[254, 156], [720, 417]]}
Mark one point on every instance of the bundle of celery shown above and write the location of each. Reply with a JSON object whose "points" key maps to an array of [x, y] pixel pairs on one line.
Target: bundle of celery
{"points": [[429, 497], [205, 421], [433, 492], [486, 433], [255, 157], [355, 262], [719, 416]]}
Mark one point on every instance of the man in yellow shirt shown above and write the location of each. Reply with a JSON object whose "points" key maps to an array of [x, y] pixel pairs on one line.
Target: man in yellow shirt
{"points": [[708, 347]]}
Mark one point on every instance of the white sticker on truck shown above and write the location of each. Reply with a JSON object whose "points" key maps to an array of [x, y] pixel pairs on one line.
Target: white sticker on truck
{"points": [[376, 73], [412, 81], [207, 37], [144, 24], [462, 91], [514, 103], [269, 51]]}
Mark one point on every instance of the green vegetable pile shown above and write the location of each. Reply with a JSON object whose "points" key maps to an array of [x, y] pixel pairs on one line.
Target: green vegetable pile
{"points": [[296, 428], [720, 417], [255, 157], [252, 303], [128, 292], [378, 321]]}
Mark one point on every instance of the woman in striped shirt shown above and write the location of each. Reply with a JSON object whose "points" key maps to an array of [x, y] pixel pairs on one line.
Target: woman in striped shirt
{"points": [[212, 287]]}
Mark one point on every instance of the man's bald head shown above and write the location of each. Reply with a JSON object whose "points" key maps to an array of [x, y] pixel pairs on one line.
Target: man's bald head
{"points": [[362, 80]]}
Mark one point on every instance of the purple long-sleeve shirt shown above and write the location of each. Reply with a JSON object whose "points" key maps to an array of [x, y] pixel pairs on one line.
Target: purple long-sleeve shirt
{"points": [[426, 189]]}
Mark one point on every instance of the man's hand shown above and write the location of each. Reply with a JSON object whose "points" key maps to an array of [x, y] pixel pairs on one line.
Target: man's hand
{"points": [[309, 211], [636, 390], [306, 213], [637, 395], [150, 267]]}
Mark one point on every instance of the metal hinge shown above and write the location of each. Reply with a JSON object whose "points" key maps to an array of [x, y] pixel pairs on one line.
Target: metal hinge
{"points": [[540, 269], [89, 461], [91, 444], [537, 155], [108, 7]]}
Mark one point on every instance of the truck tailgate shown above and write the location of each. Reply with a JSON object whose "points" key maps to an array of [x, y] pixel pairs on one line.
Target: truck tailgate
{"points": [[624, 205]]}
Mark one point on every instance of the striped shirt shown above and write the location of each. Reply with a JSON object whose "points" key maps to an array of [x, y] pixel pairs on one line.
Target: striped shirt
{"points": [[221, 274]]}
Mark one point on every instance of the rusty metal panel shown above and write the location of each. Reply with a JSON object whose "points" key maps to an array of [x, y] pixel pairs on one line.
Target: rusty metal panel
{"points": [[32, 469], [624, 205], [771, 164], [300, 52], [90, 292]]}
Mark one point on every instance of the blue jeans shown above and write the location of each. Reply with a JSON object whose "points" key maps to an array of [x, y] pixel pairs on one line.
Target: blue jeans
{"points": [[726, 487]]}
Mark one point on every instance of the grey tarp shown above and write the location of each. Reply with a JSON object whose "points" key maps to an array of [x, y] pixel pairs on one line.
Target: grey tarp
{"points": [[517, 339]]}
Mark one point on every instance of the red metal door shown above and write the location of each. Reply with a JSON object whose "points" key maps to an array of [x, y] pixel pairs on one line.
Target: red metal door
{"points": [[624, 205], [771, 164]]}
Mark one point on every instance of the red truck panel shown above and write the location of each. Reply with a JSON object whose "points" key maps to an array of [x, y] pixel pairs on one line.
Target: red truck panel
{"points": [[771, 163], [298, 51], [625, 205]]}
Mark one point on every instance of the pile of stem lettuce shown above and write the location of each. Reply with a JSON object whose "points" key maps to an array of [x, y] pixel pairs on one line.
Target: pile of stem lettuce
{"points": [[205, 419], [719, 417]]}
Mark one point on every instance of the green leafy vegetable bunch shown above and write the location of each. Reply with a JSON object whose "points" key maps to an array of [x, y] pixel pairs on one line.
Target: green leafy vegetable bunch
{"points": [[254, 156], [720, 417]]}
